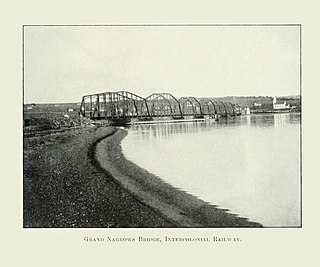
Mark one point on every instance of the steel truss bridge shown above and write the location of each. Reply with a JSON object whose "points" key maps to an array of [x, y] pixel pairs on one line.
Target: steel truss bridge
{"points": [[127, 105]]}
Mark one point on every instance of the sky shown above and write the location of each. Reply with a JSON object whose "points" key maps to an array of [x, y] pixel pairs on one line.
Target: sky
{"points": [[63, 63]]}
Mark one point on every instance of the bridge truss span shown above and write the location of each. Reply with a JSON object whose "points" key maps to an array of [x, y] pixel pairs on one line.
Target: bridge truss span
{"points": [[191, 107], [126, 106], [114, 105], [209, 107], [164, 105]]}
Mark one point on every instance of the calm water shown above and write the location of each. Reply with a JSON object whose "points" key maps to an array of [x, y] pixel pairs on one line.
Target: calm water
{"points": [[249, 164]]}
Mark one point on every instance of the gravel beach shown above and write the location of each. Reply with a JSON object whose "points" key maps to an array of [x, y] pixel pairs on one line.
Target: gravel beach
{"points": [[63, 186], [81, 179]]}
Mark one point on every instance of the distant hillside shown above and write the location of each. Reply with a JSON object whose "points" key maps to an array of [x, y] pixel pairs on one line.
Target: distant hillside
{"points": [[52, 107], [255, 101]]}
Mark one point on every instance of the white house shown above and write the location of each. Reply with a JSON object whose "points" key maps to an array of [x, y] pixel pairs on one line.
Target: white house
{"points": [[279, 105]]}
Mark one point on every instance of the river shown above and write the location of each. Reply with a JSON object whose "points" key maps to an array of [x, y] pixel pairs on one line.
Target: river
{"points": [[249, 165]]}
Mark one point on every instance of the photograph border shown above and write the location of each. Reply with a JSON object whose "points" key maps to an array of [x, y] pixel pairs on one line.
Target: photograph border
{"points": [[170, 25]]}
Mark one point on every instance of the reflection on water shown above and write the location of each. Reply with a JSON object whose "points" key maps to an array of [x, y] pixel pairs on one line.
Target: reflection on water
{"points": [[249, 164]]}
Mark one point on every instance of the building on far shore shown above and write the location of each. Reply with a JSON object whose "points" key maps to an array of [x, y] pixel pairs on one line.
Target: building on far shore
{"points": [[245, 111], [280, 105]]}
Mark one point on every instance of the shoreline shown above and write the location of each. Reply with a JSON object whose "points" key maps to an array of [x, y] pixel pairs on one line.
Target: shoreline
{"points": [[63, 187], [179, 207], [80, 179]]}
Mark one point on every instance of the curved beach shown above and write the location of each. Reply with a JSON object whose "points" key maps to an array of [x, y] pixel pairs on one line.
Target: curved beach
{"points": [[64, 187], [79, 178], [177, 206]]}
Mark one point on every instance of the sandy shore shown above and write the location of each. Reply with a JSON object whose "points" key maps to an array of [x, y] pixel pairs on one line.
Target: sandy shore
{"points": [[179, 207], [80, 178]]}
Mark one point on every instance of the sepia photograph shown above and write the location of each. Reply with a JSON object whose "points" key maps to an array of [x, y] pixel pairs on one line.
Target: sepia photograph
{"points": [[162, 126]]}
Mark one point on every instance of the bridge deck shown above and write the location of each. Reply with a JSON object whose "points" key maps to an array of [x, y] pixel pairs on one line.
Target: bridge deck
{"points": [[165, 121]]}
